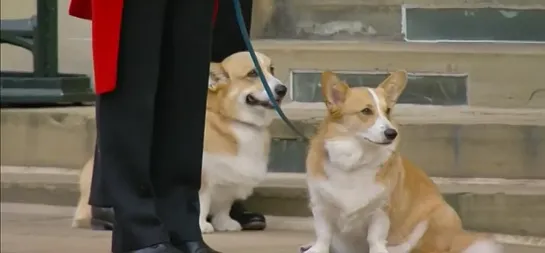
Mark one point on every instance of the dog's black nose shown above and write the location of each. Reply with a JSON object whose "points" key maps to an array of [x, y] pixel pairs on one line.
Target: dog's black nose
{"points": [[280, 90], [390, 134]]}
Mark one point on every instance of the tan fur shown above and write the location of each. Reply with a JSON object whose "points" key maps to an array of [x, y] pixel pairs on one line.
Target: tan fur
{"points": [[228, 75], [237, 140], [262, 12], [415, 198], [412, 198], [82, 216], [228, 119]]}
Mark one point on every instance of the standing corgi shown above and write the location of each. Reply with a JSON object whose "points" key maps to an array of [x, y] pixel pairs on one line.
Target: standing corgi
{"points": [[236, 139], [365, 197]]}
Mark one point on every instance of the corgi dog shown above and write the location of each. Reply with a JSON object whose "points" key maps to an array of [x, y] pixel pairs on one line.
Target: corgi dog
{"points": [[364, 196], [236, 138], [83, 216], [236, 141]]}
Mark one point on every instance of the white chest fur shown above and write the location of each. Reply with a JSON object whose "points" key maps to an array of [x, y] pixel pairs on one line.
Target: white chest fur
{"points": [[349, 199], [351, 192], [244, 170]]}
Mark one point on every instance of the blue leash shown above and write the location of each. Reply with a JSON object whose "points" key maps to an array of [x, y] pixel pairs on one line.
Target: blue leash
{"points": [[246, 38]]}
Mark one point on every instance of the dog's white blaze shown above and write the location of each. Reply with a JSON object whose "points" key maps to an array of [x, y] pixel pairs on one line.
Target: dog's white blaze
{"points": [[376, 132]]}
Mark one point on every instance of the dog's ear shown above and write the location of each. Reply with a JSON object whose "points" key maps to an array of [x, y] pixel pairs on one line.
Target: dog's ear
{"points": [[334, 92], [217, 79], [393, 86]]}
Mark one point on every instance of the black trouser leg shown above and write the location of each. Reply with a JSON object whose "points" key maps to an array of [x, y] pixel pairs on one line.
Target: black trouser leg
{"points": [[126, 127], [227, 39], [152, 124], [179, 117], [99, 194]]}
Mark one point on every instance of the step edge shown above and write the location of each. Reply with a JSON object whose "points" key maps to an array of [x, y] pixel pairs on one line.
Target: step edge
{"points": [[433, 114], [297, 181], [304, 224], [474, 48], [403, 113]]}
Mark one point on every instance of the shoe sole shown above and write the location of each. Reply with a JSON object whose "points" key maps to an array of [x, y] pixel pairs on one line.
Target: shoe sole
{"points": [[254, 226], [97, 224]]}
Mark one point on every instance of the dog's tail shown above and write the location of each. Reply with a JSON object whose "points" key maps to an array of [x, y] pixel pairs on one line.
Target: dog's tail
{"points": [[484, 245], [472, 242]]}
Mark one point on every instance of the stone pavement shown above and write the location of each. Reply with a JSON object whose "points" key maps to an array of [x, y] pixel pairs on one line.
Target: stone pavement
{"points": [[46, 229], [30, 228]]}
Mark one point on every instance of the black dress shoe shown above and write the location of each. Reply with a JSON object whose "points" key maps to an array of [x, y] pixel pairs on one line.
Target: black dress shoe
{"points": [[196, 247], [102, 218], [210, 249], [248, 220], [159, 248]]}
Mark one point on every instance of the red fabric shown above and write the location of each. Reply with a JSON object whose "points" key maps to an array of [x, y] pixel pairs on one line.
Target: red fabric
{"points": [[106, 26], [80, 9]]}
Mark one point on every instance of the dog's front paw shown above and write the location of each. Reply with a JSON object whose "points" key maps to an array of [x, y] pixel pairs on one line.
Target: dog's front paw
{"points": [[206, 227], [226, 225], [378, 249], [315, 249]]}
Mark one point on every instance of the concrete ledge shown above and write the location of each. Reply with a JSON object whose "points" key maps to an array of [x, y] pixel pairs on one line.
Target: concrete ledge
{"points": [[306, 224], [446, 141], [488, 205], [455, 141], [493, 79]]}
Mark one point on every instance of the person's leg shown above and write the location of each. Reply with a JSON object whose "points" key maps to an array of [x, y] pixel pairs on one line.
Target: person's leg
{"points": [[99, 194], [126, 127], [226, 38], [179, 120], [226, 41]]}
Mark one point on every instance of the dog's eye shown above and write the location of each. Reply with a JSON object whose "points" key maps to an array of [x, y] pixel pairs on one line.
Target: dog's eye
{"points": [[271, 70], [388, 110], [367, 111], [252, 73]]}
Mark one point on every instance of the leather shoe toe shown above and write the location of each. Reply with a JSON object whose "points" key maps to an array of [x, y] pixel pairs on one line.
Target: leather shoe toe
{"points": [[196, 247], [158, 248]]}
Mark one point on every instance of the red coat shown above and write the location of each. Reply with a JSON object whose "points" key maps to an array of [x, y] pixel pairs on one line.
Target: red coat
{"points": [[106, 26]]}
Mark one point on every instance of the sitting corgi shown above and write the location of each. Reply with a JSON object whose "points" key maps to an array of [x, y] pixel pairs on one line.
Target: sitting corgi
{"points": [[236, 141], [365, 197]]}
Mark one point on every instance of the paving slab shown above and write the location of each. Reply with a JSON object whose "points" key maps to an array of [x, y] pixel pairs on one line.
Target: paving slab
{"points": [[30, 228], [46, 229], [485, 204]]}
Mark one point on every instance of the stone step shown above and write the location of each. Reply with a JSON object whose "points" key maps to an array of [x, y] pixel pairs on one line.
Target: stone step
{"points": [[447, 141], [420, 20], [489, 205], [441, 73]]}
